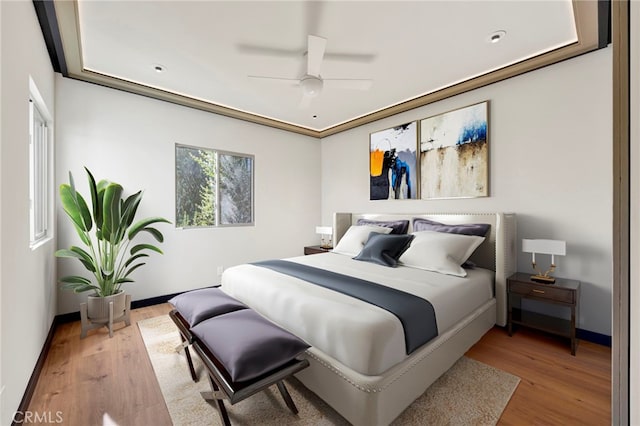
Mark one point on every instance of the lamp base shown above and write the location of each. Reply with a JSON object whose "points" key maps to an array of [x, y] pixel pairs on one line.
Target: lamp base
{"points": [[544, 279]]}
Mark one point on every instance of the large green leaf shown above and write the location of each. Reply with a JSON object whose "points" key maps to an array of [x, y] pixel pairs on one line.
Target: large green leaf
{"points": [[100, 188], [133, 258], [111, 212], [96, 202], [130, 207], [133, 268], [78, 253], [75, 207], [80, 288], [139, 247], [156, 234], [74, 279], [140, 225]]}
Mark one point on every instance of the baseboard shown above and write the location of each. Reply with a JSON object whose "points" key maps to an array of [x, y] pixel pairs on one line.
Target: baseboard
{"points": [[593, 337]]}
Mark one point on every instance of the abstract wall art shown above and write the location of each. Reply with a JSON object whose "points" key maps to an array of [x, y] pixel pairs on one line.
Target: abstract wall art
{"points": [[454, 154], [393, 163]]}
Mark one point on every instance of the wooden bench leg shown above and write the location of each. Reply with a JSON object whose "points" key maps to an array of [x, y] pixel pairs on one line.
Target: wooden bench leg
{"points": [[215, 396], [287, 398], [189, 361]]}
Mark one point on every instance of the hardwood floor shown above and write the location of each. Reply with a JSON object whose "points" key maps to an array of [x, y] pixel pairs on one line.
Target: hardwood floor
{"points": [[86, 380]]}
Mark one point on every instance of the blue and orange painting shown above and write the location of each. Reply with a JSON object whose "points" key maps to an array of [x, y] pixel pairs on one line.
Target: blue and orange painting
{"points": [[393, 163]]}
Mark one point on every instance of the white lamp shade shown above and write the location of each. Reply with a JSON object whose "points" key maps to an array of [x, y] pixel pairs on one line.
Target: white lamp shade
{"points": [[554, 247], [324, 230]]}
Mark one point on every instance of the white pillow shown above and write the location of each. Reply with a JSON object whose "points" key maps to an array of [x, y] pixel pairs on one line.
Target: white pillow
{"points": [[356, 236], [440, 252]]}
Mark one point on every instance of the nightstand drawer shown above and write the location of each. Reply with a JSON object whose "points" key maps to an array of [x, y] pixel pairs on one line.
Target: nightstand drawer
{"points": [[547, 292]]}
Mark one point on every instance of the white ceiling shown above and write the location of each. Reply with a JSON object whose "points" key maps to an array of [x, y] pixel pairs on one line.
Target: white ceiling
{"points": [[409, 49]]}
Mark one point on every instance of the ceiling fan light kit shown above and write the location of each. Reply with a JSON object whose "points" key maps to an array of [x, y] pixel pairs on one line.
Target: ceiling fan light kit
{"points": [[311, 86]]}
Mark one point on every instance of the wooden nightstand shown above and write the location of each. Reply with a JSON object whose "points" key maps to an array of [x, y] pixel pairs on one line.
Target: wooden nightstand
{"points": [[563, 292], [315, 250]]}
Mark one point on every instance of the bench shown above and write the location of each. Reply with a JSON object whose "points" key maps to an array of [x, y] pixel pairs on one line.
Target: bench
{"points": [[242, 352]]}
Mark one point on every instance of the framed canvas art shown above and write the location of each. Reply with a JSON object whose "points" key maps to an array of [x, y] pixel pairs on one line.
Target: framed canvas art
{"points": [[454, 154], [393, 163]]}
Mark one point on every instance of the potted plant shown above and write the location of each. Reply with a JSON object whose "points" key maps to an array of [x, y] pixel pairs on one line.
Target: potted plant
{"points": [[107, 231]]}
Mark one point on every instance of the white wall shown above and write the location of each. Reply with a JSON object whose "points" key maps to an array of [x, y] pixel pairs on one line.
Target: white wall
{"points": [[550, 163], [27, 278], [131, 140]]}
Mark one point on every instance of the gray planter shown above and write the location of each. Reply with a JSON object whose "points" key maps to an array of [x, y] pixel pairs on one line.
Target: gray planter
{"points": [[104, 312]]}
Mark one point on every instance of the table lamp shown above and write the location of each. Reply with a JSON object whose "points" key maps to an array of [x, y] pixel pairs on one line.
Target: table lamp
{"points": [[552, 247], [325, 236]]}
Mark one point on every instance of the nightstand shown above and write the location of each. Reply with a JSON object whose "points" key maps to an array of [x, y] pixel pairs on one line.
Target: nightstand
{"points": [[563, 292], [315, 250]]}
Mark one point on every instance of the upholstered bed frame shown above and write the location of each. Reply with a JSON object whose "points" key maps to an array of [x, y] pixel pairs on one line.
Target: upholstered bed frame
{"points": [[377, 400]]}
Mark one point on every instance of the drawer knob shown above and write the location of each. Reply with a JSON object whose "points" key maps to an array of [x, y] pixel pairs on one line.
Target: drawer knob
{"points": [[538, 291]]}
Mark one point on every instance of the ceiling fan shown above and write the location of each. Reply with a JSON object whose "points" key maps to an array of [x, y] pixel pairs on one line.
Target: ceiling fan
{"points": [[311, 82]]}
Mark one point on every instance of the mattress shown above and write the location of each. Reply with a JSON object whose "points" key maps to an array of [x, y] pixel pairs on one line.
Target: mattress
{"points": [[364, 337]]}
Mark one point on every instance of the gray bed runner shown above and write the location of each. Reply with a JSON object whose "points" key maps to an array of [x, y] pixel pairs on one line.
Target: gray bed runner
{"points": [[415, 313]]}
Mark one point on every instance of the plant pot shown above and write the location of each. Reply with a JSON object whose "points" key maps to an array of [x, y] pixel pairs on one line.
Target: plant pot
{"points": [[98, 307], [104, 312]]}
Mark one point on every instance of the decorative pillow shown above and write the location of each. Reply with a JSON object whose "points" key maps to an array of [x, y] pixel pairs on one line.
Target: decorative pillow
{"points": [[384, 249], [398, 226], [247, 344], [478, 229], [353, 240], [198, 305], [440, 252]]}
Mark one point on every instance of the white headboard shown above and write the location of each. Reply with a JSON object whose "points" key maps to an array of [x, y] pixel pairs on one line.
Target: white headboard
{"points": [[498, 252]]}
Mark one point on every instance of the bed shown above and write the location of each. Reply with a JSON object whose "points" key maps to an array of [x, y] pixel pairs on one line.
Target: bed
{"points": [[360, 362]]}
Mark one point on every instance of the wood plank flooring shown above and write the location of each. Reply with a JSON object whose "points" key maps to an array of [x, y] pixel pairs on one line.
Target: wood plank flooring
{"points": [[97, 379]]}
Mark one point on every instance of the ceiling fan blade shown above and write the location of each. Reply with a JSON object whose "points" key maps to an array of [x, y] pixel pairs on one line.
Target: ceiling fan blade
{"points": [[351, 57], [254, 49], [294, 81], [316, 47], [347, 83]]}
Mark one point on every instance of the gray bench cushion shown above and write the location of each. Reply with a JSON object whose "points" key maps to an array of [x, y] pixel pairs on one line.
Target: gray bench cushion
{"points": [[198, 305], [247, 344]]}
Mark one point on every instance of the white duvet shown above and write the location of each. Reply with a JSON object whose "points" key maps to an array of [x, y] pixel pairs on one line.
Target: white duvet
{"points": [[364, 337]]}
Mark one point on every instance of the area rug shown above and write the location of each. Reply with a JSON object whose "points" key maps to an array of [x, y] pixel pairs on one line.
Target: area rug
{"points": [[470, 393]]}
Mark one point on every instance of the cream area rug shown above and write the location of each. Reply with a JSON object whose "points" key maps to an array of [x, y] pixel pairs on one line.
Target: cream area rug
{"points": [[470, 393]]}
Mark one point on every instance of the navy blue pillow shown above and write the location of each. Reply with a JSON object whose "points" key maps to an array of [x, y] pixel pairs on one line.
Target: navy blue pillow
{"points": [[477, 229], [384, 249], [398, 226], [247, 344], [198, 305]]}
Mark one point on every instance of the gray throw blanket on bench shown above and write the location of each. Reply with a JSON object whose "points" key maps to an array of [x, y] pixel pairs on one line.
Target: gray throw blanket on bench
{"points": [[415, 313]]}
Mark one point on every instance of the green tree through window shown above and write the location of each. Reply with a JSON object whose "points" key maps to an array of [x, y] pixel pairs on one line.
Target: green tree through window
{"points": [[213, 187]]}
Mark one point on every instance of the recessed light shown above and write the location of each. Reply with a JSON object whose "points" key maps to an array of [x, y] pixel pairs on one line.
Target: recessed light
{"points": [[158, 68], [496, 36], [314, 116]]}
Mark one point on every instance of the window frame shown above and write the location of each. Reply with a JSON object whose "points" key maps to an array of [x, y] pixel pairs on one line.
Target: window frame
{"points": [[218, 204], [40, 170]]}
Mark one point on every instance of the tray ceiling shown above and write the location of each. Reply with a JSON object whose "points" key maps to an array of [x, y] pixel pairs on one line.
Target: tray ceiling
{"points": [[412, 53]]}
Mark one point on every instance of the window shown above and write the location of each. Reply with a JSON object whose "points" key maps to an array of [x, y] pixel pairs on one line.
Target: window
{"points": [[213, 188], [39, 181]]}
